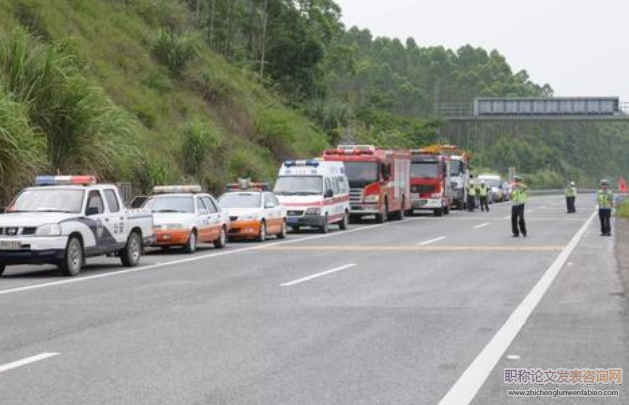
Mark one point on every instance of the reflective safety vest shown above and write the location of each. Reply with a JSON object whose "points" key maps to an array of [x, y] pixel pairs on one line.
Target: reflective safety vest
{"points": [[483, 191], [605, 199], [471, 190], [519, 195], [571, 191]]}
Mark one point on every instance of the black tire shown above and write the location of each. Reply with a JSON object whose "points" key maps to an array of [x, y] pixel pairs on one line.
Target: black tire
{"points": [[325, 228], [438, 212], [262, 234], [73, 259], [2, 267], [222, 240], [132, 252], [344, 222], [191, 245], [282, 234], [384, 216]]}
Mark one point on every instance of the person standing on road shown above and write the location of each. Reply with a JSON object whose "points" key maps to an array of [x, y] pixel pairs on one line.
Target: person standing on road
{"points": [[519, 197], [483, 191], [571, 196], [605, 202], [471, 195]]}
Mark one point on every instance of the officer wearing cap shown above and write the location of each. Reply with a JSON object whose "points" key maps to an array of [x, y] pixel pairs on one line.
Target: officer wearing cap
{"points": [[605, 202], [571, 196], [519, 197]]}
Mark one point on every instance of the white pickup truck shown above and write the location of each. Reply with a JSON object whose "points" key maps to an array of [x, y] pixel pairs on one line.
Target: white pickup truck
{"points": [[66, 219]]}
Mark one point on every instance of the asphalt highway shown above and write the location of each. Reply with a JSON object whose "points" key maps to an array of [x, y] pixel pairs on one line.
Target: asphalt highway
{"points": [[420, 311]]}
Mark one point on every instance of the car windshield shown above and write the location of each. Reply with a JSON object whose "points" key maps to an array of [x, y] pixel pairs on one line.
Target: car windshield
{"points": [[239, 200], [299, 185], [48, 200], [456, 168], [361, 173], [424, 170], [178, 204]]}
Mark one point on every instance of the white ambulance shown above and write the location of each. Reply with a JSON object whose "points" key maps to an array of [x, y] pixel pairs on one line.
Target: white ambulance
{"points": [[315, 194]]}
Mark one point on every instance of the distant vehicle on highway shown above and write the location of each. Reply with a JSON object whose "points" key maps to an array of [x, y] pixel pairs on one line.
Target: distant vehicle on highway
{"points": [[66, 219], [315, 194], [379, 180], [495, 184], [254, 211], [431, 188], [506, 190], [185, 216]]}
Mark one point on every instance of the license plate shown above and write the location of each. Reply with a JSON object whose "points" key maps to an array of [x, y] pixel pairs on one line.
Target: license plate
{"points": [[10, 245], [292, 220]]}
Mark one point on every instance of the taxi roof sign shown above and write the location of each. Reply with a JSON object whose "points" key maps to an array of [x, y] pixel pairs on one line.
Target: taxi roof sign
{"points": [[248, 185], [65, 180], [310, 162], [191, 188]]}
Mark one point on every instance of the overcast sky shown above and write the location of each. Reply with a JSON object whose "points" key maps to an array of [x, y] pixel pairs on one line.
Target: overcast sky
{"points": [[579, 47]]}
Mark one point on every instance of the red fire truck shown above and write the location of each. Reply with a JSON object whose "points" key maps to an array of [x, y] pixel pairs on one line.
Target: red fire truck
{"points": [[378, 178], [430, 181]]}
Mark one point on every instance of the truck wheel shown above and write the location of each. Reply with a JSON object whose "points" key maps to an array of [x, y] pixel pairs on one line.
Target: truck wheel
{"points": [[262, 234], [2, 267], [282, 234], [73, 260], [131, 253], [344, 222], [325, 228], [222, 240], [191, 246], [438, 212]]}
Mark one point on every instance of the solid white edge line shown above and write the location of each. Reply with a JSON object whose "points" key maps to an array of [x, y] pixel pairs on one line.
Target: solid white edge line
{"points": [[467, 386], [481, 225], [28, 360], [193, 259], [317, 275], [428, 242]]}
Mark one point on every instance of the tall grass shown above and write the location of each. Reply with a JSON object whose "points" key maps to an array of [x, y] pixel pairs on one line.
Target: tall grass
{"points": [[22, 150], [175, 50], [83, 129], [198, 141]]}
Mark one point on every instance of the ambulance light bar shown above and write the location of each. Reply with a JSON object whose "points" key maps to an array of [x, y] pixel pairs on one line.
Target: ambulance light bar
{"points": [[65, 180], [177, 189], [292, 163]]}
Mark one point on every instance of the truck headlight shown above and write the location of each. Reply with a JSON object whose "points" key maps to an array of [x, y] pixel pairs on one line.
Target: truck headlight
{"points": [[49, 230], [313, 211], [373, 198]]}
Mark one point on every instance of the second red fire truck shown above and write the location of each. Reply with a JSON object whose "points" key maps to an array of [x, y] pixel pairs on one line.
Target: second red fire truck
{"points": [[430, 181], [378, 178]]}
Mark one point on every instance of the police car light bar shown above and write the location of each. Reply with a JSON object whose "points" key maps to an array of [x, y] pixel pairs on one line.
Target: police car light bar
{"points": [[195, 188], [65, 180], [311, 162]]}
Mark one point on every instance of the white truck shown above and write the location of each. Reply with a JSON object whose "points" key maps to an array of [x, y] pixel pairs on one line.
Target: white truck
{"points": [[63, 220]]}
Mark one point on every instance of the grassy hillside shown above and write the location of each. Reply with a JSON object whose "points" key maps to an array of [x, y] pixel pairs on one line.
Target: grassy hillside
{"points": [[208, 119]]}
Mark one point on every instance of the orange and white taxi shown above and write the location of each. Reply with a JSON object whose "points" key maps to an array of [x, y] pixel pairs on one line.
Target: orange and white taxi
{"points": [[185, 216], [254, 212]]}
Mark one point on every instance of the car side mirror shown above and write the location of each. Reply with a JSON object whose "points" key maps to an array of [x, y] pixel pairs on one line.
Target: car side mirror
{"points": [[329, 194], [91, 211]]}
